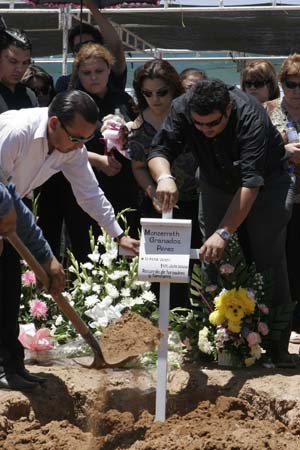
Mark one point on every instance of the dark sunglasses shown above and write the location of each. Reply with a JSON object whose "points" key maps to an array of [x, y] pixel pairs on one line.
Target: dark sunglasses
{"points": [[78, 46], [291, 84], [75, 139], [159, 93], [211, 124], [256, 84]]}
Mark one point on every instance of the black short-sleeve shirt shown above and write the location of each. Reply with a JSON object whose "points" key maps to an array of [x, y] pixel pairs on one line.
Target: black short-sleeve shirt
{"points": [[249, 152]]}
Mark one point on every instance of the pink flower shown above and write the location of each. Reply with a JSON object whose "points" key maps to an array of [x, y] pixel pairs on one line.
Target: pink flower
{"points": [[226, 269], [263, 328], [253, 338], [28, 278], [35, 339], [263, 308], [38, 308]]}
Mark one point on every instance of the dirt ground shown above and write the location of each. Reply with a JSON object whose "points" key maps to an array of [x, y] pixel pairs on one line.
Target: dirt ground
{"points": [[113, 409]]}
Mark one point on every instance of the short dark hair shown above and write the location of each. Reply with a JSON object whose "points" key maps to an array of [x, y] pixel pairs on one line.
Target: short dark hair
{"points": [[84, 28], [192, 71], [208, 96], [16, 37], [66, 105]]}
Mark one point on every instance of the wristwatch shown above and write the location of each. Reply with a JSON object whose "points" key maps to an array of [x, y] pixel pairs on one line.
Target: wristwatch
{"points": [[223, 233], [118, 238]]}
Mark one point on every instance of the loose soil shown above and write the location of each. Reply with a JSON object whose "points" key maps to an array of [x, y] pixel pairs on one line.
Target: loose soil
{"points": [[113, 409], [130, 336]]}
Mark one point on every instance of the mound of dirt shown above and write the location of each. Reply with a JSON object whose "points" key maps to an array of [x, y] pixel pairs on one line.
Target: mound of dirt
{"points": [[130, 336], [208, 408]]}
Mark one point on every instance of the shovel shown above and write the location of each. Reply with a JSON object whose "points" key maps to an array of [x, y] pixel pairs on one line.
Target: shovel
{"points": [[123, 340]]}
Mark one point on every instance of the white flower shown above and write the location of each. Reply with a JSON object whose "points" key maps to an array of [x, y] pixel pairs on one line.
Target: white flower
{"points": [[88, 266], [148, 296], [101, 239], [125, 292], [111, 290], [203, 342], [52, 330], [84, 287], [117, 274], [102, 315], [96, 288], [72, 269], [106, 301], [91, 301], [94, 256], [128, 302], [59, 320], [255, 351], [95, 272]]}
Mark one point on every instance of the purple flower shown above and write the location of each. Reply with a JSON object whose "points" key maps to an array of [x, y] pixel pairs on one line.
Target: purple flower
{"points": [[263, 328], [226, 269], [263, 308]]}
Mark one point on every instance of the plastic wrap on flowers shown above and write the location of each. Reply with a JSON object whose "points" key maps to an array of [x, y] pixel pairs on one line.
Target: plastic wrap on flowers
{"points": [[101, 4], [227, 359]]}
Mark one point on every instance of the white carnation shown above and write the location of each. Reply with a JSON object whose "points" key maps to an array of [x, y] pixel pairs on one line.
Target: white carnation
{"points": [[96, 288], [91, 301], [85, 287], [59, 320], [94, 256], [111, 290], [117, 274], [148, 296], [125, 292]]}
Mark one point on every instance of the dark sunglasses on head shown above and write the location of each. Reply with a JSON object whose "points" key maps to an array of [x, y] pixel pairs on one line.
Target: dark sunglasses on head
{"points": [[291, 84], [160, 93], [76, 139], [211, 124], [256, 84], [78, 46]]}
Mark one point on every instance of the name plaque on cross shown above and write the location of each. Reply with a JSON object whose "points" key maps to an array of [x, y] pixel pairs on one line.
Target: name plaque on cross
{"points": [[165, 250]]}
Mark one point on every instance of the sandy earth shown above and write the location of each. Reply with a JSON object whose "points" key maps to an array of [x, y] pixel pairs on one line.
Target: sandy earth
{"points": [[113, 409]]}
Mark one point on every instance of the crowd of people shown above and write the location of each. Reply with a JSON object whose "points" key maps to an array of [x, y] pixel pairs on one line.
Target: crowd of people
{"points": [[217, 154]]}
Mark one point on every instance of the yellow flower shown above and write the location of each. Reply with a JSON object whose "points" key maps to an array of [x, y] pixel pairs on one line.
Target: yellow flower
{"points": [[249, 361], [232, 306]]}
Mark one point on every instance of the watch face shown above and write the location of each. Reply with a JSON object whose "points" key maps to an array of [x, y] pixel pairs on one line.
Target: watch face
{"points": [[224, 234]]}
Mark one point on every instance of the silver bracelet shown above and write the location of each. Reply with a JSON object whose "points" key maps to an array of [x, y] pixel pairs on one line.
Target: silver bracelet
{"points": [[165, 177]]}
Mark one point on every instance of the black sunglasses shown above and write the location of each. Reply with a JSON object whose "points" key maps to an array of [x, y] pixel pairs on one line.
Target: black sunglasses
{"points": [[78, 46], [160, 93], [291, 84], [75, 139], [256, 84], [211, 124]]}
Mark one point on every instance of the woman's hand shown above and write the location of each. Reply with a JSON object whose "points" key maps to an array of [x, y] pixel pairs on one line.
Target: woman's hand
{"points": [[108, 164], [294, 150]]}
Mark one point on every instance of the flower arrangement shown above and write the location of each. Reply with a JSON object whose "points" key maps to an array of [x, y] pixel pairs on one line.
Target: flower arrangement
{"points": [[102, 289], [229, 316]]}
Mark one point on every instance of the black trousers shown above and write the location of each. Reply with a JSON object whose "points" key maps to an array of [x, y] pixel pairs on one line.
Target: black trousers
{"points": [[292, 255], [11, 350]]}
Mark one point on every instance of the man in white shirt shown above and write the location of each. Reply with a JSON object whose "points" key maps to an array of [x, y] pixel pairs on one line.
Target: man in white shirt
{"points": [[35, 144]]}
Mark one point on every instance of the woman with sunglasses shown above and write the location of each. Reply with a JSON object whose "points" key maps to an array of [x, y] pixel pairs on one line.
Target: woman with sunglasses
{"points": [[281, 111], [260, 80], [156, 84], [92, 66]]}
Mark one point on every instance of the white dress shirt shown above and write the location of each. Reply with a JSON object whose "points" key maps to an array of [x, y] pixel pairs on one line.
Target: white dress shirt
{"points": [[24, 155]]}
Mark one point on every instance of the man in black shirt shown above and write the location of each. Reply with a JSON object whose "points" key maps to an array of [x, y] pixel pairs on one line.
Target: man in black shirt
{"points": [[245, 186], [15, 57]]}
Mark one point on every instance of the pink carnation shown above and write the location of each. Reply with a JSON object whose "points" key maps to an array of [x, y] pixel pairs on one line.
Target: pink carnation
{"points": [[226, 269], [263, 308], [38, 308], [253, 339], [28, 278], [263, 328]]}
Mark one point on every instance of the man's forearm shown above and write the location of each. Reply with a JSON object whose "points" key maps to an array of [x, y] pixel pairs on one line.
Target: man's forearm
{"points": [[159, 166], [239, 208]]}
